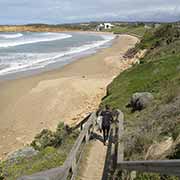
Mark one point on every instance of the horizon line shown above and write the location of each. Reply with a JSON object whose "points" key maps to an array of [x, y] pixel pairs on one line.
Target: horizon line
{"points": [[86, 22]]}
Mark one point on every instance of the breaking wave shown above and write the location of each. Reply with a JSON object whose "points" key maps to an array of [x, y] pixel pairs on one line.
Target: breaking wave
{"points": [[43, 37]]}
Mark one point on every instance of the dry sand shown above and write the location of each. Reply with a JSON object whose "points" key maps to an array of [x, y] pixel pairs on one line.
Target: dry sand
{"points": [[31, 104]]}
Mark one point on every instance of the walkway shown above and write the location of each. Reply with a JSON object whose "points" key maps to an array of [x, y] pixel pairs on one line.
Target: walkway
{"points": [[92, 167]]}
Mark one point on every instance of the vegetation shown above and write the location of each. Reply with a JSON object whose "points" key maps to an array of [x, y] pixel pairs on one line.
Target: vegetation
{"points": [[159, 74], [48, 28], [138, 30], [53, 149]]}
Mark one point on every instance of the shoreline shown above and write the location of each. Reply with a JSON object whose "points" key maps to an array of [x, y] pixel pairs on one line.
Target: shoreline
{"points": [[56, 65], [67, 94]]}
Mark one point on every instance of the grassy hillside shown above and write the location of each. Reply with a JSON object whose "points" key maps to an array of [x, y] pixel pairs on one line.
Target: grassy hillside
{"points": [[124, 28], [138, 30], [159, 74]]}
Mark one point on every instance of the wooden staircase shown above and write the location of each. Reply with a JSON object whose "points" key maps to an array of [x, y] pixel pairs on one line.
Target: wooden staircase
{"points": [[108, 164]]}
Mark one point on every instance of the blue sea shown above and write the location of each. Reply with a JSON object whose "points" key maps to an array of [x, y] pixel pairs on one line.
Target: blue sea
{"points": [[27, 53]]}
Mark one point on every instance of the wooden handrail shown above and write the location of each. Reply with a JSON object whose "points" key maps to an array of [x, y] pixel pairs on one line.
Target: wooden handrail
{"points": [[69, 168], [165, 167], [81, 124]]}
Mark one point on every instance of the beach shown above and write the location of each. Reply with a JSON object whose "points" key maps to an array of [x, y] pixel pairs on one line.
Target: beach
{"points": [[67, 94]]}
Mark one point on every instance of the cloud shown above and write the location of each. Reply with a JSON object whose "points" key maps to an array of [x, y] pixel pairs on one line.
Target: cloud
{"points": [[63, 11]]}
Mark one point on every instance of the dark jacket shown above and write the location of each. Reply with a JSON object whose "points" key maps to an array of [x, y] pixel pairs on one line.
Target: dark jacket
{"points": [[107, 118]]}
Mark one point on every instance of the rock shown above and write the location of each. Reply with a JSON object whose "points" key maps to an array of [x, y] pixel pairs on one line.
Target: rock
{"points": [[160, 150], [140, 100], [25, 152]]}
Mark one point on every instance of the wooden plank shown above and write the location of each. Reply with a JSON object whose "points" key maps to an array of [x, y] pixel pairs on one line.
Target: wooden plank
{"points": [[166, 167], [55, 173], [72, 155]]}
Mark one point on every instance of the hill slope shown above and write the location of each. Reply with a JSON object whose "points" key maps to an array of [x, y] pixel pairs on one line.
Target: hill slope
{"points": [[158, 73]]}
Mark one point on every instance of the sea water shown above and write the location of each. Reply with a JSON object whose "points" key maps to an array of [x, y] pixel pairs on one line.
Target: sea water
{"points": [[27, 53]]}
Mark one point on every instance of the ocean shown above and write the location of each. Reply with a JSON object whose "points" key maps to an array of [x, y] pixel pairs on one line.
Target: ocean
{"points": [[27, 53]]}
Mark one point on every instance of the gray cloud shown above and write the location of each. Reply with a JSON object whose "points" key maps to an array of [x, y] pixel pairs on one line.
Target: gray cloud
{"points": [[62, 11]]}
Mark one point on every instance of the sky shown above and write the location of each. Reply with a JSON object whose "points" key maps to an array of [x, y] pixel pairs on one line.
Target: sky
{"points": [[71, 11]]}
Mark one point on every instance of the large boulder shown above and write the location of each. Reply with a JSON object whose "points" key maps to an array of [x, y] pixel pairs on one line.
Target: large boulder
{"points": [[140, 100]]}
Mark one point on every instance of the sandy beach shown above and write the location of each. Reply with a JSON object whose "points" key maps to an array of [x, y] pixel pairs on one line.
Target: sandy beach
{"points": [[31, 104]]}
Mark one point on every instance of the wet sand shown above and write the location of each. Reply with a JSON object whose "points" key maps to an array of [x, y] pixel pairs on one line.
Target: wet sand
{"points": [[31, 104]]}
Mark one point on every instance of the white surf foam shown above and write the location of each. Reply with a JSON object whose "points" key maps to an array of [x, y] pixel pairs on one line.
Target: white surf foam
{"points": [[11, 36], [29, 61], [44, 37]]}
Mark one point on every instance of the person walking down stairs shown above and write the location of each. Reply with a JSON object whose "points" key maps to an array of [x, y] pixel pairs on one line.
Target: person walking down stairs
{"points": [[107, 118]]}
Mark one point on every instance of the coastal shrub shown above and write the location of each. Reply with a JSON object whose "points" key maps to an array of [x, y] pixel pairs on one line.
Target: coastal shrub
{"points": [[43, 139], [59, 134], [153, 176], [55, 139], [165, 35], [53, 149]]}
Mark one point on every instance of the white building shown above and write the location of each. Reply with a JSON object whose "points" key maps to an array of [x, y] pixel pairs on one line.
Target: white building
{"points": [[104, 26], [108, 25], [99, 27]]}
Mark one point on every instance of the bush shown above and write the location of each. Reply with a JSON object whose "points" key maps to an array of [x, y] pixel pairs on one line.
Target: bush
{"points": [[53, 149], [44, 139], [59, 135], [48, 138], [152, 176]]}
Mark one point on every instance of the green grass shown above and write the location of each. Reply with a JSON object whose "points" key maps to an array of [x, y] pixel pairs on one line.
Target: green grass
{"points": [[46, 159], [158, 73], [151, 176], [53, 151], [152, 77], [131, 29]]}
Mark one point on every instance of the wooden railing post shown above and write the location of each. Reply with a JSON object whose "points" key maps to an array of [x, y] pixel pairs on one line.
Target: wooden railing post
{"points": [[120, 150], [87, 136], [120, 155], [81, 127], [73, 167]]}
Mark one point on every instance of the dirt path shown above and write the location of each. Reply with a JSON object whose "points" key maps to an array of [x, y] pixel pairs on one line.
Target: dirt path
{"points": [[92, 167]]}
